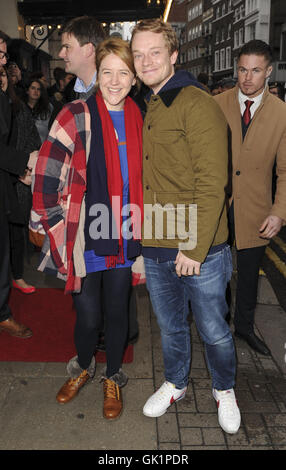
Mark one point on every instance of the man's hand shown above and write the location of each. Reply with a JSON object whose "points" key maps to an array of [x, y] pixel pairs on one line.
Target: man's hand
{"points": [[32, 160], [271, 226], [186, 266]]}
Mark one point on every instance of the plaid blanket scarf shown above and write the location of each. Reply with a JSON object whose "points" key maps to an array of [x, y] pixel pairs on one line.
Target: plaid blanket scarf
{"points": [[58, 186]]}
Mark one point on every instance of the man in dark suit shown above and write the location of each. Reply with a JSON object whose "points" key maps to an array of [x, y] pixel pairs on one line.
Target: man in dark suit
{"points": [[12, 162]]}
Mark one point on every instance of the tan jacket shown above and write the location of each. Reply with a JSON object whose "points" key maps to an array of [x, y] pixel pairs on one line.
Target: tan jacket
{"points": [[185, 162], [252, 164]]}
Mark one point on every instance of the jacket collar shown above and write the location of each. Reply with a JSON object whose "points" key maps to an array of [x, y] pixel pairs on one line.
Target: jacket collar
{"points": [[166, 96], [172, 88], [264, 97]]}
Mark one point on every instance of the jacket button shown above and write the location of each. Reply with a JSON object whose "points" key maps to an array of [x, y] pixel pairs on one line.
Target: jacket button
{"points": [[149, 127], [147, 158], [147, 186], [237, 172]]}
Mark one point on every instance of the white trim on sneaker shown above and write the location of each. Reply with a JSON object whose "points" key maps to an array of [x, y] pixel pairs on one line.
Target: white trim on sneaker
{"points": [[228, 411], [164, 397]]}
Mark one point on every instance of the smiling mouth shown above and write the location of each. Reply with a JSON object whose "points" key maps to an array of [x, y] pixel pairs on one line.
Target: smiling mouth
{"points": [[111, 90]]}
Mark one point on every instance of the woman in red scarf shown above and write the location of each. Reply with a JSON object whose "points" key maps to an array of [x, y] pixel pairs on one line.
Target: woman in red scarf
{"points": [[100, 192]]}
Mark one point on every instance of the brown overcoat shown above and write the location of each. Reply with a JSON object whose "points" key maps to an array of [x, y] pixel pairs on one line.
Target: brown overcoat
{"points": [[252, 164]]}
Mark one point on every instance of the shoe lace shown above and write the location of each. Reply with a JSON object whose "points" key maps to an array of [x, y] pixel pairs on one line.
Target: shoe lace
{"points": [[227, 402], [78, 380], [111, 389], [163, 392]]}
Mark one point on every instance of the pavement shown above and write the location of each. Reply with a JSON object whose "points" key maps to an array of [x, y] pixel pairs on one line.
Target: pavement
{"points": [[31, 419]]}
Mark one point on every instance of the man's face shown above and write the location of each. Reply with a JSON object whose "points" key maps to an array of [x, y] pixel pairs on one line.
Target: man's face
{"points": [[153, 63], [72, 53], [252, 72], [3, 48]]}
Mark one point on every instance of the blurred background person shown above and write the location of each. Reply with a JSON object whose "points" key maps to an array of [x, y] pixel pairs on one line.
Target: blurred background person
{"points": [[62, 78], [227, 84], [203, 79], [216, 89], [37, 101], [16, 77], [277, 89], [39, 75]]}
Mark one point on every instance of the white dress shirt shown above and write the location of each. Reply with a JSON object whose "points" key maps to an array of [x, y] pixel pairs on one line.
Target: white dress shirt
{"points": [[80, 87], [242, 98]]}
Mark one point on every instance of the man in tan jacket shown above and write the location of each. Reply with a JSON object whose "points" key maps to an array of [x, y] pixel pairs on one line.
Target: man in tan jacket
{"points": [[257, 121], [184, 164]]}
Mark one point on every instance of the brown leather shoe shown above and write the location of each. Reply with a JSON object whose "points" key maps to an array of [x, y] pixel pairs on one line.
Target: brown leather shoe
{"points": [[71, 388], [112, 405], [15, 329]]}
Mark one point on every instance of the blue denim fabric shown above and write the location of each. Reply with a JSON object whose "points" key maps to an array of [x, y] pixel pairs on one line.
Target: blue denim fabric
{"points": [[170, 296]]}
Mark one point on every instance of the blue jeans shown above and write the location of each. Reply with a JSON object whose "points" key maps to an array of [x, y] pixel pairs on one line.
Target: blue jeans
{"points": [[170, 296]]}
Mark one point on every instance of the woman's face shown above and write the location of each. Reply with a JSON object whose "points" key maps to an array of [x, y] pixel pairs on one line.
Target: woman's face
{"points": [[3, 79], [115, 80], [34, 91]]}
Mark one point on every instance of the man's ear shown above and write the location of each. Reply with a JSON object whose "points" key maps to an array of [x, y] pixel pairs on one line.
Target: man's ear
{"points": [[269, 71], [174, 57], [89, 49]]}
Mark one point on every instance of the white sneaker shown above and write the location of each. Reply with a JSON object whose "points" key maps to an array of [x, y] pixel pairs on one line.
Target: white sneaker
{"points": [[158, 403], [228, 411]]}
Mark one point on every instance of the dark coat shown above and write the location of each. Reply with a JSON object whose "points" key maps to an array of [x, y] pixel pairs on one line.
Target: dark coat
{"points": [[12, 162]]}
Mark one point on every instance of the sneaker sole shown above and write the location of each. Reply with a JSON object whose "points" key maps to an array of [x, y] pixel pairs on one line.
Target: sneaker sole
{"points": [[227, 431]]}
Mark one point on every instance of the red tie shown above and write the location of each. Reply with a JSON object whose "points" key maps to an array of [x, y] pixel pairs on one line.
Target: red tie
{"points": [[246, 114]]}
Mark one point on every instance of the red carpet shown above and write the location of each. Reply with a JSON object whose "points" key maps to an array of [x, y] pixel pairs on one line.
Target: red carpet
{"points": [[50, 315]]}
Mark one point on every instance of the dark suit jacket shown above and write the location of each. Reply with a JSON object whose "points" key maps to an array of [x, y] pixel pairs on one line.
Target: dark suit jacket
{"points": [[12, 162]]}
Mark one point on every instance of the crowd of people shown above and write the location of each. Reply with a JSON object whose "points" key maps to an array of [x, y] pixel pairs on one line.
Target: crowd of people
{"points": [[132, 132]]}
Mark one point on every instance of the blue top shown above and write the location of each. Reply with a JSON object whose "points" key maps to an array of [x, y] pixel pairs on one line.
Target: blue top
{"points": [[93, 262]]}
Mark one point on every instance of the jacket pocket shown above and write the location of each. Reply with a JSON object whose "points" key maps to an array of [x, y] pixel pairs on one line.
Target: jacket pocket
{"points": [[168, 148], [173, 216]]}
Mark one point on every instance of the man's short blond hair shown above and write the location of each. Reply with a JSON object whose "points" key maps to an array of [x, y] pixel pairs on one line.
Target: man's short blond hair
{"points": [[157, 25]]}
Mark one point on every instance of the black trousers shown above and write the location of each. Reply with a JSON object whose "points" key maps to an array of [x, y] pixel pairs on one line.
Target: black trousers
{"points": [[17, 249], [108, 292], [248, 264], [5, 312]]}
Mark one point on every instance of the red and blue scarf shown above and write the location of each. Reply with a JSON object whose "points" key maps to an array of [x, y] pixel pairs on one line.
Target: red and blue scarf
{"points": [[104, 181]]}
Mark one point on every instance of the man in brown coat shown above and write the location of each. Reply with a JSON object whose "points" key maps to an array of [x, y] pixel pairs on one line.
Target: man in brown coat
{"points": [[257, 121]]}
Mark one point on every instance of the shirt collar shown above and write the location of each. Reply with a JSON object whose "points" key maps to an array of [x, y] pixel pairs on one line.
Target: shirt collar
{"points": [[80, 87]]}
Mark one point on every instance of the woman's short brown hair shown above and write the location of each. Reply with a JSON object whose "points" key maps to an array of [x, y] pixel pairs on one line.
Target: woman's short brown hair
{"points": [[117, 46]]}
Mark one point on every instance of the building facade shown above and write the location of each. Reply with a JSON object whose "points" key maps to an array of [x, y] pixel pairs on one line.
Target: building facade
{"points": [[238, 30], [222, 39]]}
